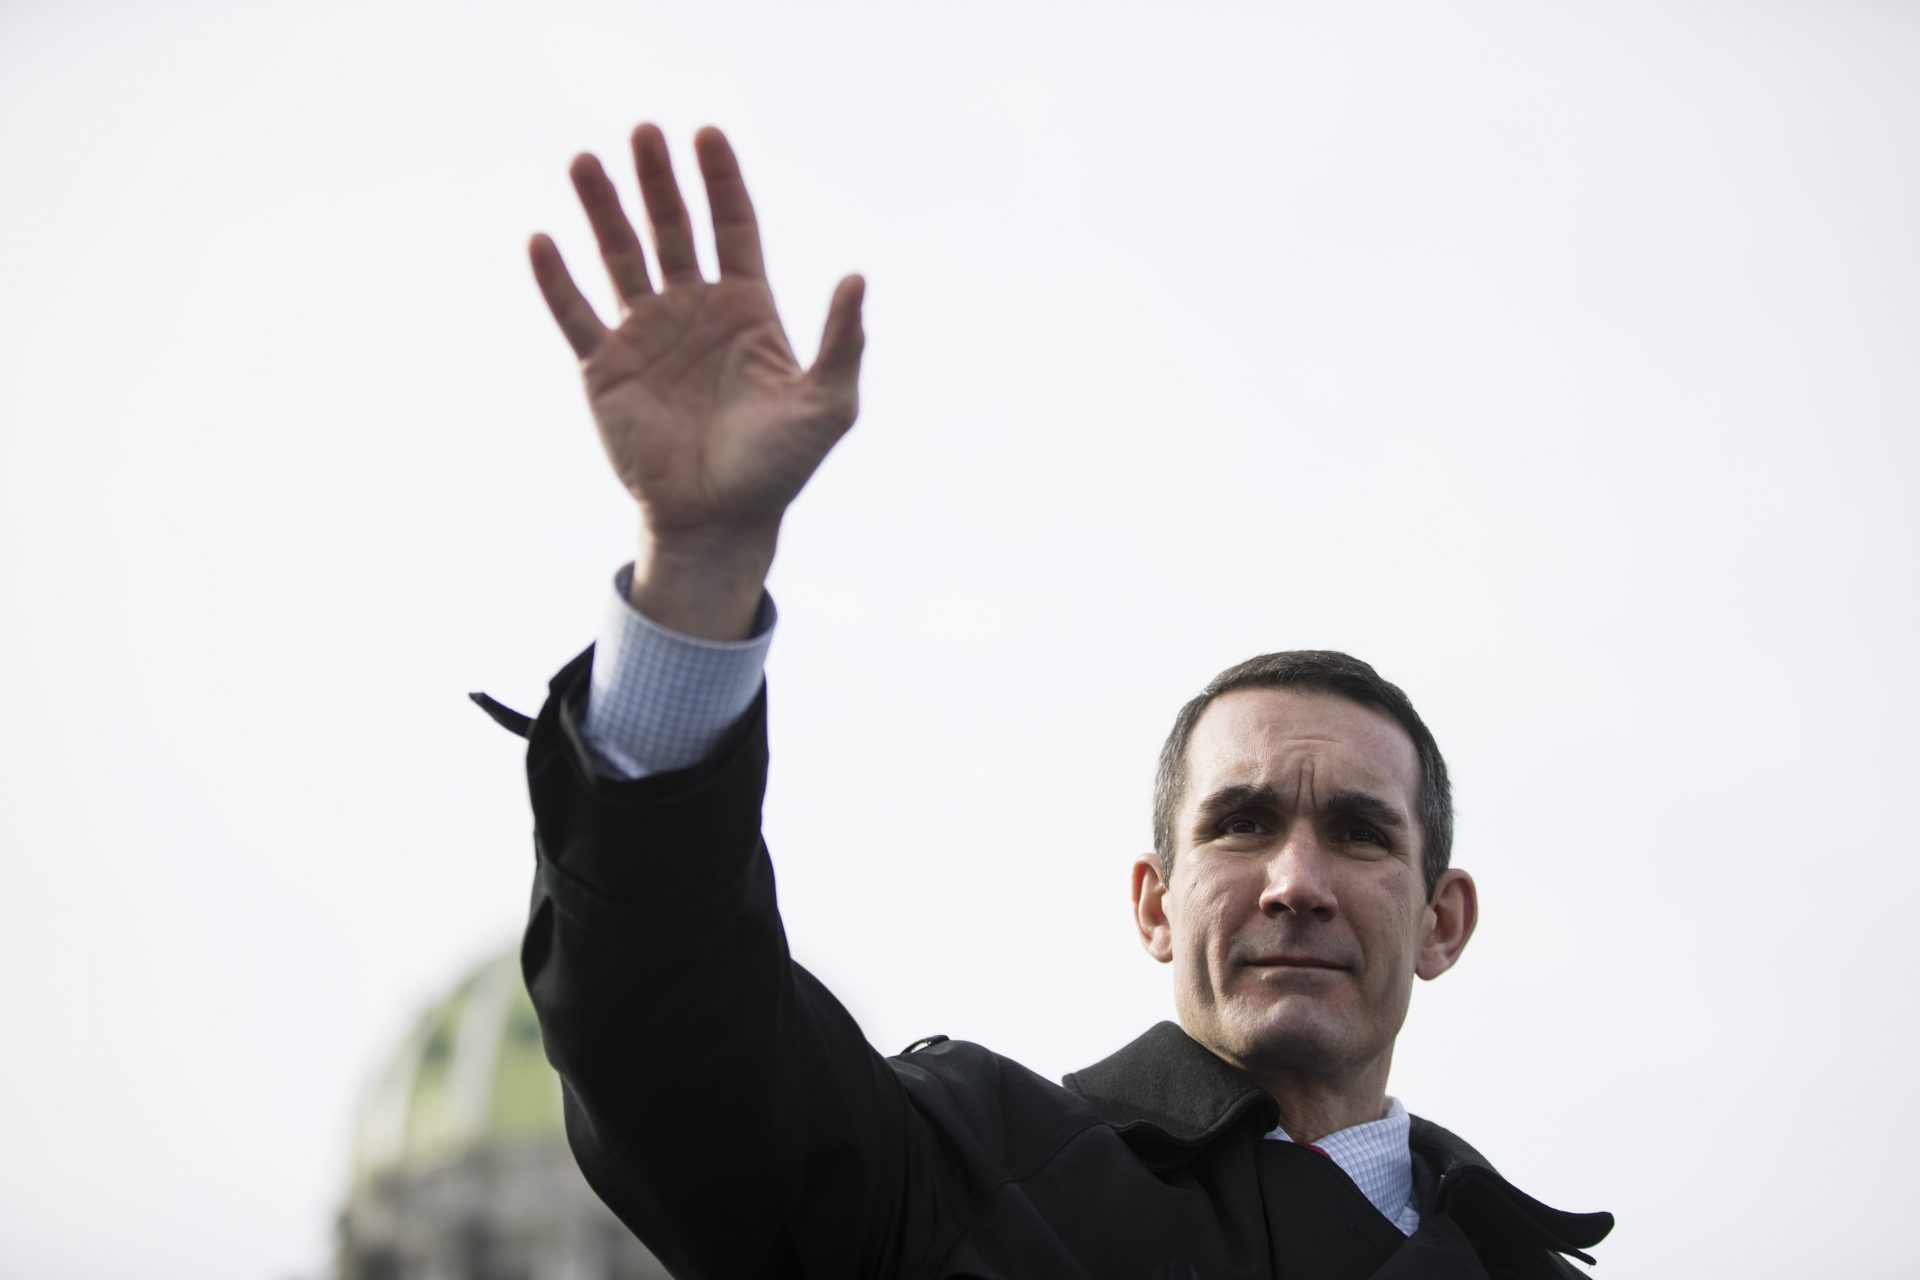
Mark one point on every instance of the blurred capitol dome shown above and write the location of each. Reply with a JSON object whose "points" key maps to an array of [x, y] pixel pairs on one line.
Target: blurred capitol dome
{"points": [[460, 1163]]}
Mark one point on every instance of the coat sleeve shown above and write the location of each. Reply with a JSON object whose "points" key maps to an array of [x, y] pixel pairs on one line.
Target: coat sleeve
{"points": [[717, 1096]]}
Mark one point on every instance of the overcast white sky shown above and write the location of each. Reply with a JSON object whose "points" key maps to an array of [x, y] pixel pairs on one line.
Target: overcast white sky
{"points": [[1559, 360]]}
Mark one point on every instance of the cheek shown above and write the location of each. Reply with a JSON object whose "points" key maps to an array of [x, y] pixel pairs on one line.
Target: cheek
{"points": [[1202, 931], [1417, 925], [1210, 918], [1401, 925]]}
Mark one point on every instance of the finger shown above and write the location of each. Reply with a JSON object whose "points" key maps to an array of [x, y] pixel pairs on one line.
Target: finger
{"points": [[672, 230], [736, 233], [572, 312], [619, 246], [836, 370]]}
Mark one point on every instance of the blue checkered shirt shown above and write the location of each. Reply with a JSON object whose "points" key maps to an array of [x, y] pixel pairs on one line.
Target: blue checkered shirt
{"points": [[658, 700]]}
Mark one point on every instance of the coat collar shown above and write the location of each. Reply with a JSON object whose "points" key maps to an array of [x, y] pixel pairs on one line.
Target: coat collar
{"points": [[1472, 1191], [1168, 1095]]}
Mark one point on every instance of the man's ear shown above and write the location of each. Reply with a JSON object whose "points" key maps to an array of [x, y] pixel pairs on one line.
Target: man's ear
{"points": [[1451, 914], [1150, 908]]}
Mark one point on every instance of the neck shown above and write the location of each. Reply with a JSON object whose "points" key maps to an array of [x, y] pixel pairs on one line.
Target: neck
{"points": [[1313, 1106]]}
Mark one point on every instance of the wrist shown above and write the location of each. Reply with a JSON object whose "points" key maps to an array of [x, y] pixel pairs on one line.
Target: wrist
{"points": [[705, 587]]}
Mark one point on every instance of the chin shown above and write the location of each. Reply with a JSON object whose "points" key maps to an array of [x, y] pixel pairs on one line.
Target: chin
{"points": [[1288, 1034]]}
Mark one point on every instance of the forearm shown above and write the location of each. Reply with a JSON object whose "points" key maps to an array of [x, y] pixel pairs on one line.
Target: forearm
{"points": [[635, 980], [720, 1100]]}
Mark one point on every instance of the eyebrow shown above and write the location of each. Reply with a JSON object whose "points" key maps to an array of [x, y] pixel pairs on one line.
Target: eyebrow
{"points": [[1368, 808], [1345, 803]]}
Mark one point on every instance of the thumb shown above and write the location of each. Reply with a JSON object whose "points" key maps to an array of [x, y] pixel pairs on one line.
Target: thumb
{"points": [[837, 367]]}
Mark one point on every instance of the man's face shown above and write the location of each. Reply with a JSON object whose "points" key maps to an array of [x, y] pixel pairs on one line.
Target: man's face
{"points": [[1297, 917]]}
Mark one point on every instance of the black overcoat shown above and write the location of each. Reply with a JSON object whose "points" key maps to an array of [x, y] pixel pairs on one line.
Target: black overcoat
{"points": [[730, 1111]]}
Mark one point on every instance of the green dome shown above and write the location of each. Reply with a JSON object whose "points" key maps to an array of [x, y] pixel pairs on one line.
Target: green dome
{"points": [[470, 1074]]}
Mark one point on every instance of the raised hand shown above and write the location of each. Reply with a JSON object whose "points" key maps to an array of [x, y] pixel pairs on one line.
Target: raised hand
{"points": [[708, 419]]}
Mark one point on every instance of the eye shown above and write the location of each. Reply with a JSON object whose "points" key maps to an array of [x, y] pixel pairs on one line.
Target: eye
{"points": [[1239, 825], [1366, 835]]}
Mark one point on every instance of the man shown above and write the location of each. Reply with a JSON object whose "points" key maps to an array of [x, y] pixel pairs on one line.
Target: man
{"points": [[729, 1109]]}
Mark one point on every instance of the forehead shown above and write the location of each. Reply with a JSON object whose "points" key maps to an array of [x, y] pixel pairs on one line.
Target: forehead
{"points": [[1270, 736]]}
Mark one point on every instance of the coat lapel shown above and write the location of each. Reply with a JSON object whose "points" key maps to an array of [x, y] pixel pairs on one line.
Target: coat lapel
{"points": [[1490, 1208]]}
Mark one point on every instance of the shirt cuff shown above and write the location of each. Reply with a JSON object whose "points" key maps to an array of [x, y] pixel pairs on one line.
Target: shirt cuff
{"points": [[658, 700]]}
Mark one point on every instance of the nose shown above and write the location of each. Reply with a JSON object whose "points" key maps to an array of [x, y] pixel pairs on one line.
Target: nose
{"points": [[1299, 879]]}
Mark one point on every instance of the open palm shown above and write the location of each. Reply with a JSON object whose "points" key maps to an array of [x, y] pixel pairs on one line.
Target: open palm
{"points": [[709, 421]]}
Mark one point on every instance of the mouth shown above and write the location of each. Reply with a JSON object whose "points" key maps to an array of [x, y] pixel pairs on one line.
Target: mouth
{"points": [[1292, 962]]}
